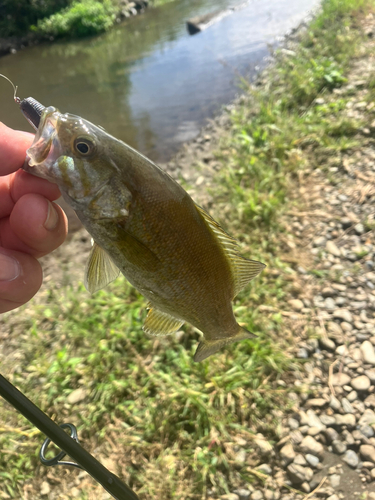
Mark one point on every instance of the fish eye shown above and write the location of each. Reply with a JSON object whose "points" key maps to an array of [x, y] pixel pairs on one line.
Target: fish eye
{"points": [[84, 146]]}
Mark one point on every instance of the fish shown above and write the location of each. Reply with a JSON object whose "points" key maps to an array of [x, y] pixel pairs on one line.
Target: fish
{"points": [[146, 226]]}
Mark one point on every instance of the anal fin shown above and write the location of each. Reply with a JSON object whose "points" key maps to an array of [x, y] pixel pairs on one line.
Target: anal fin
{"points": [[160, 323], [208, 347]]}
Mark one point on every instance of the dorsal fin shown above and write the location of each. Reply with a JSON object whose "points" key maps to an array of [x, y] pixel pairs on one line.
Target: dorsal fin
{"points": [[243, 270], [100, 269], [160, 323]]}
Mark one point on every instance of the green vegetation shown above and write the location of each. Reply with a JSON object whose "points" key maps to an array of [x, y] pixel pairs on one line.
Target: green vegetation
{"points": [[83, 18], [280, 127], [172, 427], [60, 18]]}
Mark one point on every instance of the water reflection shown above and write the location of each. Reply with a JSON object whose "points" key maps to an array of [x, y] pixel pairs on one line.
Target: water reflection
{"points": [[147, 81]]}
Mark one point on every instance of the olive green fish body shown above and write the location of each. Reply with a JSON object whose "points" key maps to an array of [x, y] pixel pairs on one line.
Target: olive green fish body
{"points": [[145, 225]]}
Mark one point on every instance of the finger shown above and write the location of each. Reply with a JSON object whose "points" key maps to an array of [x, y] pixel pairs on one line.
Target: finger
{"points": [[16, 185], [20, 278], [13, 145], [36, 226]]}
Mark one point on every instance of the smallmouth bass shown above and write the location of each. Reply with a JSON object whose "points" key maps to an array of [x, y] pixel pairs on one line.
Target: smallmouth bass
{"points": [[145, 225]]}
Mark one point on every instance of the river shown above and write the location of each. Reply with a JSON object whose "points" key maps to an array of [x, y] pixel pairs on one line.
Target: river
{"points": [[147, 81]]}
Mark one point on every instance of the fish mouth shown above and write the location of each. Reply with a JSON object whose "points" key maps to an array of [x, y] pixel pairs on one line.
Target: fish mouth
{"points": [[46, 146]]}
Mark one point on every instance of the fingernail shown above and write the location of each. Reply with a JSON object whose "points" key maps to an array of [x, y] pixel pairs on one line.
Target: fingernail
{"points": [[52, 218], [9, 268]]}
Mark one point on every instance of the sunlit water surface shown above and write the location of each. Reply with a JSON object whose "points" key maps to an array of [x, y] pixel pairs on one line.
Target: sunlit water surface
{"points": [[148, 82]]}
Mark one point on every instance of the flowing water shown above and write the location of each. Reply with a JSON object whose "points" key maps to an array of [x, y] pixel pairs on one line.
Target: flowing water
{"points": [[147, 81]]}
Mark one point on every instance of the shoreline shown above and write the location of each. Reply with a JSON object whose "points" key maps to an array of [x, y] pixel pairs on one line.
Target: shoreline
{"points": [[11, 45]]}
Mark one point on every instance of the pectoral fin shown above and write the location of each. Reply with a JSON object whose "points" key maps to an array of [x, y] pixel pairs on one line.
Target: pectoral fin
{"points": [[161, 323], [100, 269], [208, 347]]}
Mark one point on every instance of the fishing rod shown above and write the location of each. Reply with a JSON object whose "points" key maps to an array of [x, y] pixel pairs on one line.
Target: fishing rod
{"points": [[68, 444]]}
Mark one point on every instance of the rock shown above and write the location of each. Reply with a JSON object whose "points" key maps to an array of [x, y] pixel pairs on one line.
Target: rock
{"points": [[264, 469], [333, 249], [361, 383], [296, 304], [368, 418], [327, 420], [327, 344], [349, 420], [351, 458], [334, 403], [310, 445], [367, 431], [371, 375], [352, 396], [333, 497], [335, 480], [296, 473], [230, 496], [269, 495], [330, 434], [300, 460], [293, 423], [240, 457], [257, 495], [312, 460], [313, 420], [343, 314], [76, 396], [359, 229], [45, 488], [319, 402], [338, 447], [287, 454], [346, 406], [243, 493], [340, 379], [367, 452], [368, 352], [265, 448]]}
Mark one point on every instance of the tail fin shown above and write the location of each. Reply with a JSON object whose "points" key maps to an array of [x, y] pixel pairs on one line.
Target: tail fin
{"points": [[208, 347]]}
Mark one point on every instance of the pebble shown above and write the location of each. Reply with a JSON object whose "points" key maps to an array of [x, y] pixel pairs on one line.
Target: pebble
{"points": [[243, 493], [45, 489], [76, 396], [333, 249], [361, 383], [367, 418], [310, 445], [265, 469], [367, 452], [340, 379], [368, 352], [338, 447], [344, 315], [296, 304], [351, 458], [349, 420], [296, 473], [257, 495], [312, 460], [334, 479], [346, 406], [287, 454], [230, 496]]}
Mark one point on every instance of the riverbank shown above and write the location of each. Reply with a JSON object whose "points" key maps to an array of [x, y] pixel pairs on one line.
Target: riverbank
{"points": [[123, 10], [288, 170]]}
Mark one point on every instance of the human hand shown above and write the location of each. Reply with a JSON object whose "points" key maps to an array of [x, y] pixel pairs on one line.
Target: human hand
{"points": [[30, 224]]}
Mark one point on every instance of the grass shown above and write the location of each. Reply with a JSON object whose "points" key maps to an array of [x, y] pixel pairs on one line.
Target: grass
{"points": [[172, 427]]}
